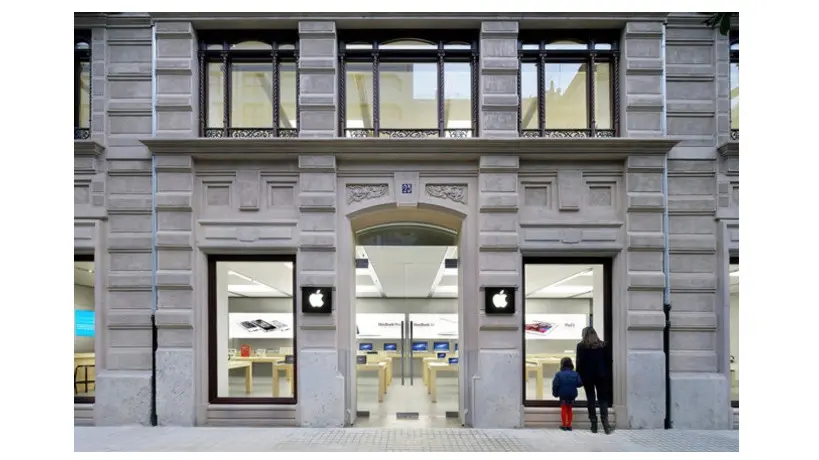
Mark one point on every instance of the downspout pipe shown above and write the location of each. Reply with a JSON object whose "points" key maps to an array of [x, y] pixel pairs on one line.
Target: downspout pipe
{"points": [[666, 251], [154, 341]]}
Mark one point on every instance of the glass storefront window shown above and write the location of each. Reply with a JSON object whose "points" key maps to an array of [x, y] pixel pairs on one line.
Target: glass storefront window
{"points": [[733, 274], [84, 329], [561, 299], [252, 329]]}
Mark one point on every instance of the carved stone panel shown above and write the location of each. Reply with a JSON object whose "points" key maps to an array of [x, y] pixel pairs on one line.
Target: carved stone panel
{"points": [[455, 193], [357, 193], [569, 189]]}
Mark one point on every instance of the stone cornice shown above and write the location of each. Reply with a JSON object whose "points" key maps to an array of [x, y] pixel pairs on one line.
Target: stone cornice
{"points": [[402, 150], [729, 149], [413, 20], [88, 147]]}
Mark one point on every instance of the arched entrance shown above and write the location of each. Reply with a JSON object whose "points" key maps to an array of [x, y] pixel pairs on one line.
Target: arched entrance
{"points": [[406, 324]]}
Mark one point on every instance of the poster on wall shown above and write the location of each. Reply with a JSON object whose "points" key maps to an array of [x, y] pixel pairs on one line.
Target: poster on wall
{"points": [[379, 325], [434, 326], [260, 326], [84, 323], [546, 326]]}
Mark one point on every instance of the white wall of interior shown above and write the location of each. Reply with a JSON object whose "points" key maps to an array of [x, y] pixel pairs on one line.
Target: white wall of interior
{"points": [[442, 306]]}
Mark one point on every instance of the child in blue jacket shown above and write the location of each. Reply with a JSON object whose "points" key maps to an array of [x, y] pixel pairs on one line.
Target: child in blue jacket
{"points": [[564, 387]]}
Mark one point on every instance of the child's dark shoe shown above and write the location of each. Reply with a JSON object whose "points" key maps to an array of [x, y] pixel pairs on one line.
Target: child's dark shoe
{"points": [[562, 428], [568, 428], [594, 427]]}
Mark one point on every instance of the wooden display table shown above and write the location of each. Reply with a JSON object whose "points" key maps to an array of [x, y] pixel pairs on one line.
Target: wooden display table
{"points": [[434, 368], [84, 371], [248, 367], [381, 368], [538, 370], [280, 366]]}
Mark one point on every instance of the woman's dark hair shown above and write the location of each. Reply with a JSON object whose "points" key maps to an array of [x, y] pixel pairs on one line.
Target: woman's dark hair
{"points": [[590, 338], [566, 363]]}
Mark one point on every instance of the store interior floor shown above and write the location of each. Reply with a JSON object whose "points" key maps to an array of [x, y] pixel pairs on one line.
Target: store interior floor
{"points": [[407, 400]]}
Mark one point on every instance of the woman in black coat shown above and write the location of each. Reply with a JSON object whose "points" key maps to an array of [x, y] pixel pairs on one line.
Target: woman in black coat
{"points": [[593, 358]]}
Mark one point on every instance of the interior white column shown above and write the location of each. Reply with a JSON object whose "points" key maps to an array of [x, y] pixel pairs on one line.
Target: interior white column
{"points": [[222, 329], [598, 302]]}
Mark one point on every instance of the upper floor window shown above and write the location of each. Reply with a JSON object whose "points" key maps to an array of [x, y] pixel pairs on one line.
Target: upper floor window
{"points": [[82, 84], [248, 85], [568, 85], [734, 77], [408, 85]]}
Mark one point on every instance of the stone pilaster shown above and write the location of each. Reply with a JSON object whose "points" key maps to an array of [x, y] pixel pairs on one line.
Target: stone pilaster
{"points": [[320, 384], [498, 79], [641, 74], [177, 105], [317, 79], [177, 84], [174, 291], [699, 393], [123, 393], [497, 396], [644, 283]]}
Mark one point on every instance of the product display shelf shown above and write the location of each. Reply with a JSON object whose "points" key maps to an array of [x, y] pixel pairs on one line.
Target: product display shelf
{"points": [[434, 368]]}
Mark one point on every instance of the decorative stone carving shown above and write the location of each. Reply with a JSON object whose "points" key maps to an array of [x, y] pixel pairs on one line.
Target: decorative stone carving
{"points": [[456, 193], [357, 193]]}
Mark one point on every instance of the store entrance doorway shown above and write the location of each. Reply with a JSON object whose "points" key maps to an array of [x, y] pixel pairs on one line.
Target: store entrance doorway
{"points": [[407, 327]]}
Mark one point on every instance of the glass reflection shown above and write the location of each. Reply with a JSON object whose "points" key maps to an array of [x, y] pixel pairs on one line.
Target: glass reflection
{"points": [[85, 95], [251, 97], [457, 96], [566, 106], [734, 95], [287, 95], [216, 96], [408, 95], [358, 97], [602, 96], [530, 118]]}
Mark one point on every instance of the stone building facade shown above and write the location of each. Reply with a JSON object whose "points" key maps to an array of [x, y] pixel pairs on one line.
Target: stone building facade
{"points": [[143, 170]]}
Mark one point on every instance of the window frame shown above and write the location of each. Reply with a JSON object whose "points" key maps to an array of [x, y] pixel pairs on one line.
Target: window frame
{"points": [[213, 394], [226, 56], [733, 39], [608, 315], [733, 260], [81, 56], [589, 56], [85, 257], [441, 55]]}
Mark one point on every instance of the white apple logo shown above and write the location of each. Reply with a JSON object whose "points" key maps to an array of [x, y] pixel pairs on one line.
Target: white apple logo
{"points": [[499, 300], [316, 299]]}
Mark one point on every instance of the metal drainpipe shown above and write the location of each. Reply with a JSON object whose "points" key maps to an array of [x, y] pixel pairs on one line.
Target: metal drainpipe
{"points": [[666, 253], [154, 341]]}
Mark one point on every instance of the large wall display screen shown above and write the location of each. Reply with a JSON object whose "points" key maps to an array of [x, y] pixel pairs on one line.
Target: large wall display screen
{"points": [[555, 326], [84, 323], [260, 326], [379, 325], [434, 326]]}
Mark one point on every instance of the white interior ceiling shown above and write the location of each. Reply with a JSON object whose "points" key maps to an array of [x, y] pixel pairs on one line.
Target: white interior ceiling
{"points": [[84, 274], [734, 276], [260, 279], [560, 281]]}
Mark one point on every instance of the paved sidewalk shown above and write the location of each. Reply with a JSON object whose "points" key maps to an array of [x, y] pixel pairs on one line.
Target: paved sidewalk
{"points": [[205, 439]]}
